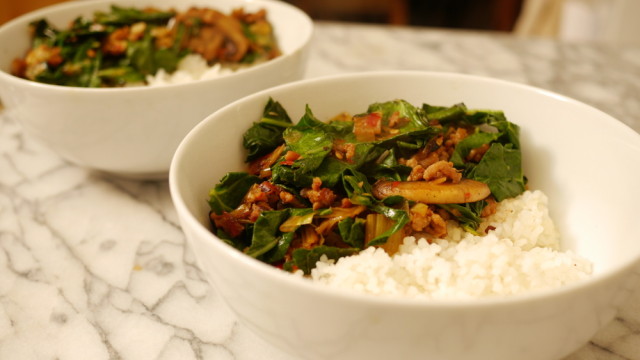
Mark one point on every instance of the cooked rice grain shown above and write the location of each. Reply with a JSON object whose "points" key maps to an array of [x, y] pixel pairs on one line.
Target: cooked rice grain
{"points": [[521, 255], [191, 68]]}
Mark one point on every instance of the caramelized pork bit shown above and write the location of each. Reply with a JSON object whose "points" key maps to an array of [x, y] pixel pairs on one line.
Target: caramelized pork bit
{"points": [[424, 219], [442, 169], [262, 165], [320, 197]]}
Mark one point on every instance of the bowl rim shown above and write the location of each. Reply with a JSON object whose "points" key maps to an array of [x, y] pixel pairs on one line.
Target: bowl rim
{"points": [[288, 279], [23, 20]]}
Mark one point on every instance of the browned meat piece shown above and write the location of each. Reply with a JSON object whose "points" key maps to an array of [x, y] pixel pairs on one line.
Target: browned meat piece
{"points": [[264, 192], [258, 16], [477, 153], [454, 136], [18, 67], [117, 42], [262, 165], [38, 59], [343, 150], [320, 197], [424, 219], [228, 223], [490, 208], [442, 169], [164, 37]]}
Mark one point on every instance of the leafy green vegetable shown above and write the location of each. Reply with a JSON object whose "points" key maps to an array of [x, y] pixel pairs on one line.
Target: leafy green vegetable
{"points": [[265, 135], [469, 143], [500, 169], [266, 234], [444, 114], [352, 232], [272, 237], [120, 47], [501, 166], [228, 193], [123, 16], [359, 192], [313, 141], [306, 259], [416, 117], [468, 215]]}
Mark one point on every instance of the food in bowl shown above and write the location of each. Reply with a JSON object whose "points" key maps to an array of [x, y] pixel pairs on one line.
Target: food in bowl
{"points": [[593, 217], [133, 131], [417, 201], [128, 46]]}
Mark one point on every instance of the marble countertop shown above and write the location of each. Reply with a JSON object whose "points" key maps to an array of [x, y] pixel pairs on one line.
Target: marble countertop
{"points": [[93, 267]]}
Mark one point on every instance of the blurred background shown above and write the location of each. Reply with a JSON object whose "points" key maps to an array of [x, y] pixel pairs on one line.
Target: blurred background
{"points": [[464, 14], [474, 14], [608, 21]]}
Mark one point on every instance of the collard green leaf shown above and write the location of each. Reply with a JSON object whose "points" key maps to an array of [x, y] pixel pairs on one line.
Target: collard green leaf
{"points": [[386, 167], [352, 232], [128, 15], [266, 233], [289, 176], [501, 169], [313, 145], [166, 59], [331, 170], [43, 31], [468, 215], [415, 115], [335, 128], [469, 143], [277, 253], [359, 192], [266, 135], [400, 217], [356, 184], [228, 193], [312, 140], [237, 243], [445, 114], [510, 132], [118, 76], [141, 55], [490, 117], [305, 259]]}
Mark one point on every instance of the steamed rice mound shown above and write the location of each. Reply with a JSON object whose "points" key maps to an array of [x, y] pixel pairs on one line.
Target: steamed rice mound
{"points": [[521, 254], [191, 68]]}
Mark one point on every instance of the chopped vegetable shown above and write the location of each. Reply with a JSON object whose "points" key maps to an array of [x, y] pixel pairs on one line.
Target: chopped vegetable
{"points": [[317, 188], [124, 45], [433, 192]]}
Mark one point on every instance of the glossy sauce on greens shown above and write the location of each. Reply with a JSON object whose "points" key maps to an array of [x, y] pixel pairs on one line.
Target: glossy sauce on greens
{"points": [[335, 187]]}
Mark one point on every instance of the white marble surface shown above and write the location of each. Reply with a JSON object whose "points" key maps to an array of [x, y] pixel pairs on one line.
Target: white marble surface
{"points": [[93, 267]]}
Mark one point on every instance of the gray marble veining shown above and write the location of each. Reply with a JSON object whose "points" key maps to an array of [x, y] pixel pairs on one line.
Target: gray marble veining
{"points": [[93, 267]]}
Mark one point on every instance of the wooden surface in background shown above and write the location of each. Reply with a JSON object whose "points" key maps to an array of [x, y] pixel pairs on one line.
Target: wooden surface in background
{"points": [[12, 8], [497, 14]]}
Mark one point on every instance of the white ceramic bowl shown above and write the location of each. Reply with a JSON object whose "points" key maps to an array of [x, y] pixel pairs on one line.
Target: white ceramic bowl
{"points": [[135, 131], [583, 159]]}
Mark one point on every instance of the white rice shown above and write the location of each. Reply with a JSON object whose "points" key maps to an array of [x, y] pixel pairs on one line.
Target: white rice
{"points": [[521, 255], [191, 68]]}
